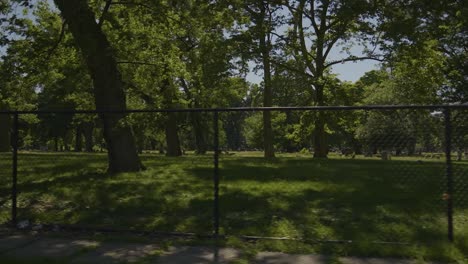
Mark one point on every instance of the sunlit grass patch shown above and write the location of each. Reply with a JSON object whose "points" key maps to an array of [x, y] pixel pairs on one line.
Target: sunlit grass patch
{"points": [[364, 200]]}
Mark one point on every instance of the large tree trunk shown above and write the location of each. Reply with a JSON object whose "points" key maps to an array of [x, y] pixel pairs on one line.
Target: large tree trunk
{"points": [[88, 128], [199, 131], [78, 139], [172, 138], [171, 129], [140, 141], [320, 136], [56, 144], [5, 133], [67, 139], [269, 151], [107, 80]]}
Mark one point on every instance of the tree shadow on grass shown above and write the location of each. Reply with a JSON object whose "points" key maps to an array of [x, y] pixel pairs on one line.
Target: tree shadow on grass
{"points": [[334, 199], [150, 200], [367, 200]]}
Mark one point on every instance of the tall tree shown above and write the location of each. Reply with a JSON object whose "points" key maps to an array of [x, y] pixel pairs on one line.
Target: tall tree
{"points": [[318, 27], [205, 53], [107, 80], [152, 64], [444, 24], [264, 19]]}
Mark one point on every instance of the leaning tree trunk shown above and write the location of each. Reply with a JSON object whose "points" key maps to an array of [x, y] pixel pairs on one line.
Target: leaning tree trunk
{"points": [[107, 80]]}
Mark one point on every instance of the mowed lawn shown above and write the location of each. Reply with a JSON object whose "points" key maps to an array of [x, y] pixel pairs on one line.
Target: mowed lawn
{"points": [[364, 200]]}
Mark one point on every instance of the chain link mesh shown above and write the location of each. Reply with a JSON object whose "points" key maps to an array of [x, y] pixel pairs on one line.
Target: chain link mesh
{"points": [[384, 178], [60, 181], [459, 124], [5, 170]]}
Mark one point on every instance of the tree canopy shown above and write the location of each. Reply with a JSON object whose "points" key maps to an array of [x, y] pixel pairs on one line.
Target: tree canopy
{"points": [[103, 55]]}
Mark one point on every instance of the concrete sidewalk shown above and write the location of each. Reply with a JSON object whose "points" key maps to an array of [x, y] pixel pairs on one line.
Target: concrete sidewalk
{"points": [[42, 249]]}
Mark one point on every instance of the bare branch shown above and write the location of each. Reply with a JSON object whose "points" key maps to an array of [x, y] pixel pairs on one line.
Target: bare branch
{"points": [[312, 16], [354, 58], [330, 46], [323, 16]]}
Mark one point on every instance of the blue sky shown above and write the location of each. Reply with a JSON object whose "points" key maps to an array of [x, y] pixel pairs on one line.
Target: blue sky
{"points": [[352, 71], [349, 71]]}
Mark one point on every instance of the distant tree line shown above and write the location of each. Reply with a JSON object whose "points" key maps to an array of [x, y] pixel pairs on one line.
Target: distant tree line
{"points": [[80, 54]]}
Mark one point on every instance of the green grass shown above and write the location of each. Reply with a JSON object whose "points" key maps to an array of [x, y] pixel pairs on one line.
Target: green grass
{"points": [[363, 200]]}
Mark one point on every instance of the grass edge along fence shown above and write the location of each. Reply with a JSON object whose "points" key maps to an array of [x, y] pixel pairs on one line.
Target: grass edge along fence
{"points": [[444, 109]]}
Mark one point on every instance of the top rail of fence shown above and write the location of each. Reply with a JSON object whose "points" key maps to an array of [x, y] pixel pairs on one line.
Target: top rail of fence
{"points": [[238, 109]]}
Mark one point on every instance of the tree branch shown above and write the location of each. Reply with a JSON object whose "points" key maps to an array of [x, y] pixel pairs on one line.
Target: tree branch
{"points": [[285, 66], [312, 16], [302, 40], [57, 43], [138, 63], [130, 3], [333, 41], [153, 12], [186, 89], [104, 12], [145, 97], [354, 58], [330, 46]]}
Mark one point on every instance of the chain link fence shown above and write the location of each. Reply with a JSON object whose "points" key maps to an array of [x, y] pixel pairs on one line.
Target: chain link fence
{"points": [[391, 174], [459, 135]]}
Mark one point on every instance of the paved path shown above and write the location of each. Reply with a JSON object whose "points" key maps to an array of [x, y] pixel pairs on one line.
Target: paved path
{"points": [[42, 249]]}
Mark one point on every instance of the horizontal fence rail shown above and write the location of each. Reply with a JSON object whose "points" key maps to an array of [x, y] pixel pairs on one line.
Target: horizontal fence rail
{"points": [[240, 109], [278, 194]]}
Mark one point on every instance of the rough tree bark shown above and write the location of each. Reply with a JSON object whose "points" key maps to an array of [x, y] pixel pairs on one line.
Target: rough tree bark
{"points": [[196, 119], [172, 136], [88, 128], [107, 80], [199, 129], [265, 47], [320, 135], [78, 139]]}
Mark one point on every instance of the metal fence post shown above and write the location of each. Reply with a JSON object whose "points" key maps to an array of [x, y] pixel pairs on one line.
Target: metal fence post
{"points": [[216, 175], [14, 143], [448, 172]]}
